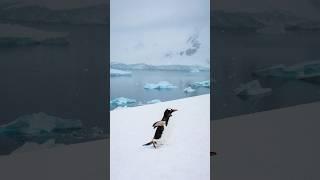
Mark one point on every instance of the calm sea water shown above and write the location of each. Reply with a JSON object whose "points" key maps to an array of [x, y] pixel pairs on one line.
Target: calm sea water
{"points": [[237, 55], [64, 81], [133, 86]]}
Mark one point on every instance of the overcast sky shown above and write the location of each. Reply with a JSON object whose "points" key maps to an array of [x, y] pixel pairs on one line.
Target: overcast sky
{"points": [[144, 31]]}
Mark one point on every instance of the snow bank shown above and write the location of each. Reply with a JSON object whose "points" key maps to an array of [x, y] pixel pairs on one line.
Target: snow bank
{"points": [[78, 161], [32, 146], [278, 144], [185, 153], [159, 85], [116, 72]]}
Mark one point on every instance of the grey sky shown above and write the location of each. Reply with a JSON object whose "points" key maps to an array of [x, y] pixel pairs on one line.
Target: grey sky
{"points": [[143, 31]]}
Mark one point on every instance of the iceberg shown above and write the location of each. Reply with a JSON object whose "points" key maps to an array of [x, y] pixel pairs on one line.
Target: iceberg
{"points": [[276, 71], [122, 101], [252, 88], [154, 101], [189, 90], [302, 71], [39, 123], [160, 85], [116, 72], [205, 84], [194, 71]]}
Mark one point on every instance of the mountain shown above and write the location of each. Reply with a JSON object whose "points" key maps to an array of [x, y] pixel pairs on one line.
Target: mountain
{"points": [[252, 21], [32, 13], [142, 66]]}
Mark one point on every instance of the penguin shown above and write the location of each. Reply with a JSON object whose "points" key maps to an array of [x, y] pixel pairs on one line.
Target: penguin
{"points": [[160, 127]]}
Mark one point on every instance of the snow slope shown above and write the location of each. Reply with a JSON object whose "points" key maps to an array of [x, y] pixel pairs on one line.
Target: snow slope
{"points": [[82, 161], [272, 145], [184, 154]]}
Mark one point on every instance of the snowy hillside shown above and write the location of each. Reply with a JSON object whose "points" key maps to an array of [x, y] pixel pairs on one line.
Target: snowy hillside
{"points": [[185, 152]]}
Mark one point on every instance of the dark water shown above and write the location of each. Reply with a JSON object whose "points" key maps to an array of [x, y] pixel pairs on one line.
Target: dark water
{"points": [[132, 86], [64, 81], [237, 55]]}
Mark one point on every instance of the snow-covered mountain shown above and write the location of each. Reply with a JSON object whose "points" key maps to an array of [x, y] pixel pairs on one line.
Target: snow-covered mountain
{"points": [[142, 66]]}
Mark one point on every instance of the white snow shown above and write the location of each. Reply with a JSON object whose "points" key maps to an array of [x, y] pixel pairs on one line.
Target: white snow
{"points": [[82, 161], [189, 90], [272, 145], [159, 85], [185, 152], [32, 146], [117, 72], [252, 88], [122, 101]]}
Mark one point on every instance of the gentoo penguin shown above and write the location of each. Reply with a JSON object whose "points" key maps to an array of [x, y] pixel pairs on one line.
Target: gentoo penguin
{"points": [[160, 125]]}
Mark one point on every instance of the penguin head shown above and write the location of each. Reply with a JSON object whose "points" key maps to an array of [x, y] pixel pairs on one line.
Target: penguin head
{"points": [[168, 112]]}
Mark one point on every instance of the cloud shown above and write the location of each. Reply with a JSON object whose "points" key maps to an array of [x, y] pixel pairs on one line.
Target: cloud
{"points": [[152, 31]]}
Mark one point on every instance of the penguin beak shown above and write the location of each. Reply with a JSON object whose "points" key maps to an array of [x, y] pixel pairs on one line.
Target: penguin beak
{"points": [[173, 110]]}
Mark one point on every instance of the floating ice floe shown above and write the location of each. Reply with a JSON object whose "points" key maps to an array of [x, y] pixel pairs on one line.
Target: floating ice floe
{"points": [[277, 71], [116, 72], [195, 70], [122, 101], [205, 84], [38, 123], [252, 88], [159, 85], [189, 90], [154, 101], [304, 71]]}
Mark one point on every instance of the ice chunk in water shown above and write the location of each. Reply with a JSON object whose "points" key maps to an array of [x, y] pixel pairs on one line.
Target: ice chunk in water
{"points": [[205, 84], [252, 88], [122, 101], [38, 123], [116, 72], [154, 101], [189, 90], [159, 85]]}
